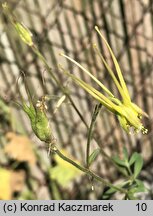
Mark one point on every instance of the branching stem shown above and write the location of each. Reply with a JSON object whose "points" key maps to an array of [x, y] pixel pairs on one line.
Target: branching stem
{"points": [[86, 170]]}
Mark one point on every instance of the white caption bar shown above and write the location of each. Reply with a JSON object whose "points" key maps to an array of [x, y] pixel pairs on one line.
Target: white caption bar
{"points": [[76, 207]]}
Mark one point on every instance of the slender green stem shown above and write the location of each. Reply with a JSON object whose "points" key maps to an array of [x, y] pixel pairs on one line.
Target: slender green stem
{"points": [[90, 131], [63, 89], [86, 170]]}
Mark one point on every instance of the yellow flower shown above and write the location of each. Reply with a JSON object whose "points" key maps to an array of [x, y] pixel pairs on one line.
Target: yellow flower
{"points": [[128, 113]]}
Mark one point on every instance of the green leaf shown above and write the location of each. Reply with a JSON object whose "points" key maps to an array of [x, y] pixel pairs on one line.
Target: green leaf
{"points": [[141, 187], [131, 196], [123, 170], [133, 158], [108, 193], [138, 165], [118, 161], [93, 156], [138, 187], [125, 153]]}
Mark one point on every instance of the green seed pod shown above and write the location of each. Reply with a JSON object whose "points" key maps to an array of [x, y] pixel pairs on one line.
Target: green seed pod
{"points": [[37, 115], [42, 126], [39, 121]]}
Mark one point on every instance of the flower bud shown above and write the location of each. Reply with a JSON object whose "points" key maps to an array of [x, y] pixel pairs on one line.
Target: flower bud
{"points": [[23, 31]]}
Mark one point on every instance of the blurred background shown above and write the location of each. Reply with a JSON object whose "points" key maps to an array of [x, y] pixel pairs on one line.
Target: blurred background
{"points": [[26, 172]]}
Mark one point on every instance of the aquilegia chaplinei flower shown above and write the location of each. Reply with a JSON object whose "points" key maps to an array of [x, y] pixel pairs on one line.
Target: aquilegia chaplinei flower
{"points": [[128, 113]]}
